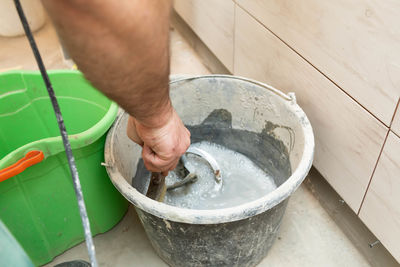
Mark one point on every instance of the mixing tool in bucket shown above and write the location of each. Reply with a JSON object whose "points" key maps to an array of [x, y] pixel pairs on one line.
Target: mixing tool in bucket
{"points": [[153, 184]]}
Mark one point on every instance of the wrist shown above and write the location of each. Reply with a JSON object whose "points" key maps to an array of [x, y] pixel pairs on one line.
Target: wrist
{"points": [[159, 118]]}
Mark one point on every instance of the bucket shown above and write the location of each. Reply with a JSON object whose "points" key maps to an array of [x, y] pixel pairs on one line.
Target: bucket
{"points": [[10, 24], [37, 198], [11, 252], [283, 145]]}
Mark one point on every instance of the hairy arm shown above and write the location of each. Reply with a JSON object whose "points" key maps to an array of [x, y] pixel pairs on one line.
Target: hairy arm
{"points": [[122, 47]]}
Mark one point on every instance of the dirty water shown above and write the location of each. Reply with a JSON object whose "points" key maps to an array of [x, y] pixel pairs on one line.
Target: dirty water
{"points": [[252, 165], [242, 181]]}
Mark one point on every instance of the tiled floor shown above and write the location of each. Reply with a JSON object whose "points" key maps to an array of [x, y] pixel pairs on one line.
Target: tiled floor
{"points": [[308, 236]]}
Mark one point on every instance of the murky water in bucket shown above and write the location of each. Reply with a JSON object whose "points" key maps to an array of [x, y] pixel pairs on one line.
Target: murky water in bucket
{"points": [[242, 181]]}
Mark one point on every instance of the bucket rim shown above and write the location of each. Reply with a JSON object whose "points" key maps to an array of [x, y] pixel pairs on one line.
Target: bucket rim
{"points": [[53, 145], [214, 216]]}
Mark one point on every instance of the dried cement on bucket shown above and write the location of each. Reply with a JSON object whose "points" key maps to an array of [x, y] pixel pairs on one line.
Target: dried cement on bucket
{"points": [[251, 118]]}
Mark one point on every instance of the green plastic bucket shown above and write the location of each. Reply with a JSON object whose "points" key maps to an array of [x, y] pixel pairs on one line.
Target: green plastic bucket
{"points": [[38, 205]]}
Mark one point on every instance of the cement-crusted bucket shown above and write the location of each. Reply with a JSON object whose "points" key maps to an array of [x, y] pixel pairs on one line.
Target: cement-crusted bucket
{"points": [[283, 145]]}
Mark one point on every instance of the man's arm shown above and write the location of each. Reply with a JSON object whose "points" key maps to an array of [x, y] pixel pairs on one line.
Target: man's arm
{"points": [[122, 47]]}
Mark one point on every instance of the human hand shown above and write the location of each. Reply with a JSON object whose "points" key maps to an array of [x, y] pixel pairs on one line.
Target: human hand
{"points": [[162, 145]]}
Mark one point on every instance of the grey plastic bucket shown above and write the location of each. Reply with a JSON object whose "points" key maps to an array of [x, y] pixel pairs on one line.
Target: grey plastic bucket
{"points": [[235, 236]]}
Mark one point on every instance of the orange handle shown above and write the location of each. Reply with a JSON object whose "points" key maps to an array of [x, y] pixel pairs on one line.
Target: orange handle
{"points": [[31, 158]]}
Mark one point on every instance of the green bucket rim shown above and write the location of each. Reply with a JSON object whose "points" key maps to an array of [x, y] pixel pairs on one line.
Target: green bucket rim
{"points": [[54, 145]]}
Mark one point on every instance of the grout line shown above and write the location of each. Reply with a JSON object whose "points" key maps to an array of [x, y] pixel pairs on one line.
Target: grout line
{"points": [[291, 48], [380, 154], [373, 172], [395, 133], [394, 114]]}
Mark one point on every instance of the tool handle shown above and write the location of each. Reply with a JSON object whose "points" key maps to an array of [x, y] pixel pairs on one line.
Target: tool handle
{"points": [[157, 187], [31, 158]]}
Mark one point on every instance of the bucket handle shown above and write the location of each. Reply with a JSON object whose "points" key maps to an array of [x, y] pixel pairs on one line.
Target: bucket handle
{"points": [[31, 158]]}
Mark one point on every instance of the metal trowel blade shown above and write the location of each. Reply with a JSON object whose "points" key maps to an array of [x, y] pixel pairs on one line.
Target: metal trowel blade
{"points": [[141, 180]]}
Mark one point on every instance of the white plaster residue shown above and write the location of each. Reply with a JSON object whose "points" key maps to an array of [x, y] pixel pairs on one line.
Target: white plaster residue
{"points": [[167, 224]]}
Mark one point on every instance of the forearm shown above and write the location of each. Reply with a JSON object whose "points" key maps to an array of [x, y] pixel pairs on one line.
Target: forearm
{"points": [[122, 47]]}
